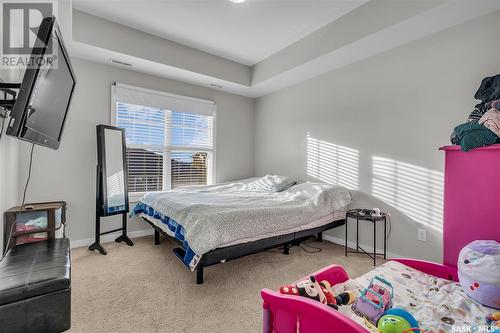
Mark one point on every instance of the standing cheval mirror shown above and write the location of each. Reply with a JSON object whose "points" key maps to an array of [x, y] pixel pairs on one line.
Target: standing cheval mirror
{"points": [[111, 183]]}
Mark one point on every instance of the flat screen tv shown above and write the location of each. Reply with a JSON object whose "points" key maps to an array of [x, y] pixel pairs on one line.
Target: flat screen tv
{"points": [[40, 110]]}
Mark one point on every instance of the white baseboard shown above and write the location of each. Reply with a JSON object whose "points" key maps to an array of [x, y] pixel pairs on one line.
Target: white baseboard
{"points": [[352, 245], [110, 237]]}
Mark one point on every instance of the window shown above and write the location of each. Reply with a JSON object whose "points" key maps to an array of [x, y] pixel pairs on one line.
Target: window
{"points": [[167, 145]]}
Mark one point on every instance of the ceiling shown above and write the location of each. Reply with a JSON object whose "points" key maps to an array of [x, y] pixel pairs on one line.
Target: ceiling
{"points": [[220, 27], [255, 48]]}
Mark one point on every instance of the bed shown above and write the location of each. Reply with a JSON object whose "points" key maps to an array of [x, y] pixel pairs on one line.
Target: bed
{"points": [[440, 303], [429, 291], [216, 223]]}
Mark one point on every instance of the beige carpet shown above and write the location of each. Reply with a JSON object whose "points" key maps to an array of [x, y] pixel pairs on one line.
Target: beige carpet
{"points": [[144, 288]]}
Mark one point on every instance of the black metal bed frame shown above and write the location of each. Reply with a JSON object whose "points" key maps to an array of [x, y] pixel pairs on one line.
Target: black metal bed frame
{"points": [[239, 250]]}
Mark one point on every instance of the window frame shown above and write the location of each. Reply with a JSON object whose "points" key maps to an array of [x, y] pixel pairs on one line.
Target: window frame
{"points": [[135, 196]]}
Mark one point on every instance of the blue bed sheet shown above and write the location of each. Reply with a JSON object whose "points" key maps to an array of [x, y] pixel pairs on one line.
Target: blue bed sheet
{"points": [[172, 225]]}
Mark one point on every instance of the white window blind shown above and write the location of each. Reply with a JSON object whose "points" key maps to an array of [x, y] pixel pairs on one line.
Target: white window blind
{"points": [[170, 139]]}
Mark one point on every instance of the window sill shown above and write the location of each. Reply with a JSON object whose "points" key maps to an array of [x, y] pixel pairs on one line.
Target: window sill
{"points": [[134, 197]]}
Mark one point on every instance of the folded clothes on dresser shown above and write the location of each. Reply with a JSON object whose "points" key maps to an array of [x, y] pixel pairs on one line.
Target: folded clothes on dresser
{"points": [[483, 124]]}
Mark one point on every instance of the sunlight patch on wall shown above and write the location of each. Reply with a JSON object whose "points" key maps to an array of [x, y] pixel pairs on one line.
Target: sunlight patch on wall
{"points": [[332, 163], [115, 185], [415, 190]]}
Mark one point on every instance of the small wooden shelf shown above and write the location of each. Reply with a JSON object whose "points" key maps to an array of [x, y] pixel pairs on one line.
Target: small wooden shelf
{"points": [[54, 212], [28, 232]]}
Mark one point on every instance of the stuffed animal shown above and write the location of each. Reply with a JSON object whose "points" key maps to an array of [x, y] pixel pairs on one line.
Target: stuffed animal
{"points": [[319, 291], [493, 320]]}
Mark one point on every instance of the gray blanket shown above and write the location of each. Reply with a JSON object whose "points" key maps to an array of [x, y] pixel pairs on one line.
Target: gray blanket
{"points": [[221, 214]]}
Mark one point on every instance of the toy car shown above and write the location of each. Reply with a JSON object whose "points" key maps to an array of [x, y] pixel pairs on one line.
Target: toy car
{"points": [[374, 300]]}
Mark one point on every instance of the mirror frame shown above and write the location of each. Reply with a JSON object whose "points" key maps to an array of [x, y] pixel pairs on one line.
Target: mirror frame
{"points": [[101, 162]]}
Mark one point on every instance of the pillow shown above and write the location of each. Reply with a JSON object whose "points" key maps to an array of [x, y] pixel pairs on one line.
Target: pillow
{"points": [[271, 183], [478, 267]]}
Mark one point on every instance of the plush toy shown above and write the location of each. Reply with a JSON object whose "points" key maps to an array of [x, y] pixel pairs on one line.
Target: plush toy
{"points": [[319, 291], [493, 320], [397, 321]]}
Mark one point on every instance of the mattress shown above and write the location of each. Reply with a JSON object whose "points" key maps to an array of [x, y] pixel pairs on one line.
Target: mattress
{"points": [[334, 216], [439, 305], [210, 217]]}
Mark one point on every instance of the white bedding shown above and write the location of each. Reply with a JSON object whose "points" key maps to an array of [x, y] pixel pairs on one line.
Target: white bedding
{"points": [[334, 216], [218, 215]]}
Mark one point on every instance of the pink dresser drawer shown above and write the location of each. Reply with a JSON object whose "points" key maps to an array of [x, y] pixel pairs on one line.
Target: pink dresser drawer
{"points": [[471, 198]]}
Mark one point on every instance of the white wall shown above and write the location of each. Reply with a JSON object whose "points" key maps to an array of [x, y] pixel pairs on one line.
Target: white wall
{"points": [[69, 173], [375, 126]]}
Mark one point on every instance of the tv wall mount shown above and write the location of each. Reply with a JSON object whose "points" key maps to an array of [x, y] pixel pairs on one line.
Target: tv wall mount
{"points": [[6, 104]]}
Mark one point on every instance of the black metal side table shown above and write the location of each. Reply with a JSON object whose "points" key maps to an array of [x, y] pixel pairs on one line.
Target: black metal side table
{"points": [[365, 215]]}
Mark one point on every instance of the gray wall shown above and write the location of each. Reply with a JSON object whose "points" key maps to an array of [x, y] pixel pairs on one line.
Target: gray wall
{"points": [[9, 148], [69, 173], [375, 126], [9, 160]]}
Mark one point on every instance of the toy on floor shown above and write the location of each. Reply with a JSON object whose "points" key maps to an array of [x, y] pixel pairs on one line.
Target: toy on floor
{"points": [[374, 300], [397, 321], [478, 265], [493, 320], [319, 291]]}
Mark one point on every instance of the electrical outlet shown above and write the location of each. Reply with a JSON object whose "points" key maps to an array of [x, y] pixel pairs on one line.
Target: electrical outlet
{"points": [[422, 235]]}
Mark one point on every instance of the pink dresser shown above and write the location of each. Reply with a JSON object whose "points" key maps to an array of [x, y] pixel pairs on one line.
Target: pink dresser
{"points": [[471, 196]]}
